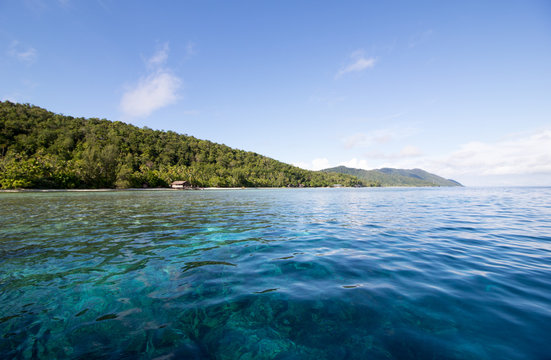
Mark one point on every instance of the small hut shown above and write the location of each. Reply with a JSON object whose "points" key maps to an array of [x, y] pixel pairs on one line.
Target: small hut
{"points": [[180, 185]]}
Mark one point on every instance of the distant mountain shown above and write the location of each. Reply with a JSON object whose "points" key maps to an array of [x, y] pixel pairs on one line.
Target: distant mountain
{"points": [[394, 177]]}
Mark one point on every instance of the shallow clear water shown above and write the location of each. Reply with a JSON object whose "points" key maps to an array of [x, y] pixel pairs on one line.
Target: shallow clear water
{"points": [[458, 273]]}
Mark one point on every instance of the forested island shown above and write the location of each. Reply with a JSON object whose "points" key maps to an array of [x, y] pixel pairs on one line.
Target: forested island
{"points": [[41, 149]]}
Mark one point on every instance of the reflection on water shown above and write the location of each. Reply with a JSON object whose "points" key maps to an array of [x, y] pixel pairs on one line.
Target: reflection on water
{"points": [[286, 274]]}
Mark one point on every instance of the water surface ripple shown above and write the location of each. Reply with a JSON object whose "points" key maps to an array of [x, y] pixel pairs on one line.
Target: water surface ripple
{"points": [[277, 274]]}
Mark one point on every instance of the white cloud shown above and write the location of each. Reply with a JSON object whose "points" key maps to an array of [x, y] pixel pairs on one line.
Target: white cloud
{"points": [[22, 53], [160, 57], [521, 159], [316, 164], [319, 164], [406, 153], [410, 151], [378, 137], [154, 91], [358, 63], [151, 93], [529, 154], [324, 163], [355, 163], [355, 140]]}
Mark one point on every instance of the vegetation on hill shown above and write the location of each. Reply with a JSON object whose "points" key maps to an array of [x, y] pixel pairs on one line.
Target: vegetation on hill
{"points": [[40, 149], [395, 177]]}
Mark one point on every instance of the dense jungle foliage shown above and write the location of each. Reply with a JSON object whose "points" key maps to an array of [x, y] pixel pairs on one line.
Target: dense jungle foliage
{"points": [[40, 149]]}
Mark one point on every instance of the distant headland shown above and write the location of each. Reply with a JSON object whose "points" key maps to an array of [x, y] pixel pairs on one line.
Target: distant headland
{"points": [[395, 177]]}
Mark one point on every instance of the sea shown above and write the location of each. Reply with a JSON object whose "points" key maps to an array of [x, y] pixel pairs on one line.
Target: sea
{"points": [[369, 273]]}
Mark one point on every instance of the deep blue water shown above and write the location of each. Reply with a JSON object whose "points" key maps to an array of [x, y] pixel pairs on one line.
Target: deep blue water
{"points": [[444, 273]]}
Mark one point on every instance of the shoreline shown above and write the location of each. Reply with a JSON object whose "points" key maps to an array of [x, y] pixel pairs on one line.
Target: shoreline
{"points": [[140, 189], [113, 190], [166, 189], [213, 189]]}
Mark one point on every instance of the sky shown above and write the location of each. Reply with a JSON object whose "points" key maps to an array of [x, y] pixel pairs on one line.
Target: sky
{"points": [[458, 88]]}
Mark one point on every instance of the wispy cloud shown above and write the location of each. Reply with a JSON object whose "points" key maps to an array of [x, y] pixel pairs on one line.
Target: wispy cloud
{"points": [[355, 140], [410, 151], [528, 154], [13, 97], [160, 57], [154, 91], [419, 38], [22, 53], [378, 137], [521, 159], [316, 164], [323, 163], [358, 62], [406, 152], [191, 50], [150, 93], [356, 163]]}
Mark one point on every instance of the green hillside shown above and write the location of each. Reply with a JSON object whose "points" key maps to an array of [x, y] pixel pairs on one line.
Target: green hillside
{"points": [[40, 149], [394, 177]]}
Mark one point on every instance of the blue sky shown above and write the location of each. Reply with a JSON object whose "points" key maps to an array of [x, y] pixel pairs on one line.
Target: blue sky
{"points": [[461, 88]]}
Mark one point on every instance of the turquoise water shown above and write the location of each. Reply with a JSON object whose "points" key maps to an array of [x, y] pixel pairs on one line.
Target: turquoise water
{"points": [[277, 274]]}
